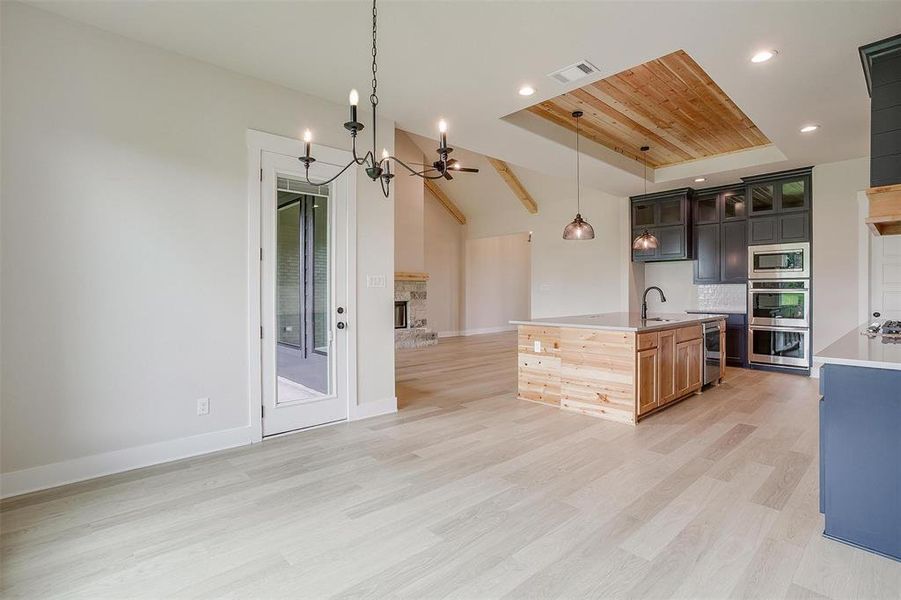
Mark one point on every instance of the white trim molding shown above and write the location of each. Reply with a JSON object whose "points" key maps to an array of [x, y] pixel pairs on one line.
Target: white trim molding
{"points": [[368, 410], [488, 330], [117, 461]]}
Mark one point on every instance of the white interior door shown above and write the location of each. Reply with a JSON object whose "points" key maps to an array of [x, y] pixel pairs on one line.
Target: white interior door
{"points": [[885, 276], [303, 295]]}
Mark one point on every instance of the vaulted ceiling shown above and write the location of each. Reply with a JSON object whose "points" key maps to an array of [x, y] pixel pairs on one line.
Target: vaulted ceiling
{"points": [[465, 61]]}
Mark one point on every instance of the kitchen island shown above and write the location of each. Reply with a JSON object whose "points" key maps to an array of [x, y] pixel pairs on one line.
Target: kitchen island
{"points": [[860, 441], [615, 366]]}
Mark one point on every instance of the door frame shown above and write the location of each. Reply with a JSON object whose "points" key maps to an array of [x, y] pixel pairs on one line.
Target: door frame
{"points": [[257, 143]]}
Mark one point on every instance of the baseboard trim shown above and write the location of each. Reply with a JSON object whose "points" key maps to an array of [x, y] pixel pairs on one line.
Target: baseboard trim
{"points": [[488, 330], [378, 408], [446, 334], [43, 477]]}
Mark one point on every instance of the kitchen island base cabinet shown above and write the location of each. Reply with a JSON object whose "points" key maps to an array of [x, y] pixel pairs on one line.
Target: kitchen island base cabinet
{"points": [[620, 376]]}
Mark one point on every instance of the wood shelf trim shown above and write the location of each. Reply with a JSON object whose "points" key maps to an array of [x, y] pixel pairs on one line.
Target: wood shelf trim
{"points": [[410, 276]]}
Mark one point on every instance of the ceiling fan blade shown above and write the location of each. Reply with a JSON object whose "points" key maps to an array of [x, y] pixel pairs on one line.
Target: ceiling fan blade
{"points": [[447, 175], [466, 170]]}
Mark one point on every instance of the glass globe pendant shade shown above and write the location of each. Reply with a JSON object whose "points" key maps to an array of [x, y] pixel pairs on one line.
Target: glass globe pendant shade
{"points": [[579, 229], [646, 241]]}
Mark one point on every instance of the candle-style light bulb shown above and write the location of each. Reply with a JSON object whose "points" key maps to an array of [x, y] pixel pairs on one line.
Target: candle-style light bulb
{"points": [[354, 99], [385, 154], [307, 141], [442, 129]]}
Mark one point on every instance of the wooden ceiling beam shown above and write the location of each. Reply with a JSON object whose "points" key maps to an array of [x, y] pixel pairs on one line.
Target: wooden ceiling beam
{"points": [[514, 184], [452, 208]]}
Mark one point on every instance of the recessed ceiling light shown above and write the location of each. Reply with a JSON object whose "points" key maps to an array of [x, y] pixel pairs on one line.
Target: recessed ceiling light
{"points": [[763, 56], [700, 179], [809, 128], [526, 90]]}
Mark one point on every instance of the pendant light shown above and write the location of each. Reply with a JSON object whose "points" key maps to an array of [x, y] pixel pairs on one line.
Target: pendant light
{"points": [[646, 241], [579, 229]]}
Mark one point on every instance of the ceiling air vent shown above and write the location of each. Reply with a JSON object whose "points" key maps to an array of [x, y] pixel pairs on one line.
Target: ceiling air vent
{"points": [[575, 72]]}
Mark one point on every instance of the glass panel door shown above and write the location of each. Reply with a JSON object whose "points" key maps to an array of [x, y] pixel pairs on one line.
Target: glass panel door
{"points": [[762, 199], [302, 277]]}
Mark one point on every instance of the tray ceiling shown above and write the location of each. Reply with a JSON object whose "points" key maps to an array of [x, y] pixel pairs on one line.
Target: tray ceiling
{"points": [[668, 103]]}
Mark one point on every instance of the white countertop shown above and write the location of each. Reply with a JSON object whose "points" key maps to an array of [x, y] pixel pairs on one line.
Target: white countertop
{"points": [[623, 321], [861, 351]]}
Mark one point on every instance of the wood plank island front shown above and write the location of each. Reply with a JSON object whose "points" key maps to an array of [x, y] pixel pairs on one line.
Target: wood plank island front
{"points": [[614, 366]]}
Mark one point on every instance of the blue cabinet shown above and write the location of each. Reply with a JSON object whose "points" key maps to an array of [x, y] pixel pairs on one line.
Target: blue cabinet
{"points": [[860, 457]]}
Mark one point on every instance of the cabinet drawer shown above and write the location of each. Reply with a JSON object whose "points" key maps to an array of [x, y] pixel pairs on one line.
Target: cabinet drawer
{"points": [[692, 332], [647, 340]]}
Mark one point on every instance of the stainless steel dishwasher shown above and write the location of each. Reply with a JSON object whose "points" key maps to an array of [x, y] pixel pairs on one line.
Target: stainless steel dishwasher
{"points": [[711, 350]]}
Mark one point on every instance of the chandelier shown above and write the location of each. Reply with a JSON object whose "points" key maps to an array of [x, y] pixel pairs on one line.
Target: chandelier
{"points": [[380, 169]]}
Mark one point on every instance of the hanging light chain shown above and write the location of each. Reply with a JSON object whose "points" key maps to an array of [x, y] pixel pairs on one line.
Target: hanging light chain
{"points": [[578, 180]]}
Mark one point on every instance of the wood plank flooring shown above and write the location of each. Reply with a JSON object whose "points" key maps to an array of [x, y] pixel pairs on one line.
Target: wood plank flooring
{"points": [[465, 493]]}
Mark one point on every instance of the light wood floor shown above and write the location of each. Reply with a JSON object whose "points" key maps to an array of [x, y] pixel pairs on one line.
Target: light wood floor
{"points": [[466, 493]]}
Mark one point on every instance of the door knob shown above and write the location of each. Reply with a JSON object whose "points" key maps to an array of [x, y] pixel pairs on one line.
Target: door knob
{"points": [[340, 325]]}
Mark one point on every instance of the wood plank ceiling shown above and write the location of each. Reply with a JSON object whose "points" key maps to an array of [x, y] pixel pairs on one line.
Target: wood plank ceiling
{"points": [[669, 104]]}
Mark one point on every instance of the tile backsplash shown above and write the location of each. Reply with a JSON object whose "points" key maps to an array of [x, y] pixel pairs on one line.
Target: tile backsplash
{"points": [[722, 296]]}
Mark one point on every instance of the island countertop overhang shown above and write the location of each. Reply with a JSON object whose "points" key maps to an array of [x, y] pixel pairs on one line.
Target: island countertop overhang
{"points": [[857, 350], [623, 321]]}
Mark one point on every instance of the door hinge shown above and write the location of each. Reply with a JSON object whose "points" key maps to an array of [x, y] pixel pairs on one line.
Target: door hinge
{"points": [[261, 332], [262, 411], [261, 174], [261, 254]]}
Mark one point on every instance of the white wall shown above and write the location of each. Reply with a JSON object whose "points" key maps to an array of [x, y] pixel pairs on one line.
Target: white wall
{"points": [[444, 263], [409, 244], [124, 249], [568, 277], [836, 270], [497, 282]]}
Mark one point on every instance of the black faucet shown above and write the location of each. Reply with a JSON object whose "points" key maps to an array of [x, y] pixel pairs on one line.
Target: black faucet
{"points": [[644, 301]]}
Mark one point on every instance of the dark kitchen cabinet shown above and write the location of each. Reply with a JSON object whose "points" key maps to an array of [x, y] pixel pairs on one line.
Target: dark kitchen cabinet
{"points": [[737, 340], [762, 230], [734, 252], [779, 208], [707, 253], [666, 215], [720, 236]]}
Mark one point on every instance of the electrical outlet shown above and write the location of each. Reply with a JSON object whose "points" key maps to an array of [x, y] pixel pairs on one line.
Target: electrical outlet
{"points": [[537, 345], [203, 406]]}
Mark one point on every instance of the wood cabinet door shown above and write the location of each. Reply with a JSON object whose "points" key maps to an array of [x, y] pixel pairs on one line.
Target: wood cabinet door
{"points": [[672, 244], [762, 230], [646, 380], [695, 365], [794, 227], [666, 366], [688, 367]]}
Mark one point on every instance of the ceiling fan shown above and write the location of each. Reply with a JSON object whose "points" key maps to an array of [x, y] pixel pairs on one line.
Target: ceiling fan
{"points": [[445, 168]]}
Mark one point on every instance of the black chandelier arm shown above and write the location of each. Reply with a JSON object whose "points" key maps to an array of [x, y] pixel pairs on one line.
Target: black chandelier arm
{"points": [[327, 181], [357, 160], [414, 171], [386, 186]]}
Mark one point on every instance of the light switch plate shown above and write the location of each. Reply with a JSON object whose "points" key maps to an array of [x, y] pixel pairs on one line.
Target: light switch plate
{"points": [[203, 406], [375, 281], [537, 345]]}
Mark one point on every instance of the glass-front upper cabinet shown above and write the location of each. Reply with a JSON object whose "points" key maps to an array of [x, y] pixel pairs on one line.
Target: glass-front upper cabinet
{"points": [[763, 198], [670, 212], [706, 210], [793, 195], [734, 206], [643, 214]]}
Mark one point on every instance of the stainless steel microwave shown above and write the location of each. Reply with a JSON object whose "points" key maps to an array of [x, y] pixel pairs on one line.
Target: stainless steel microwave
{"points": [[779, 261]]}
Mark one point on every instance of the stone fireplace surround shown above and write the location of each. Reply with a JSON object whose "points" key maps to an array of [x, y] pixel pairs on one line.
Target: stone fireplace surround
{"points": [[412, 289]]}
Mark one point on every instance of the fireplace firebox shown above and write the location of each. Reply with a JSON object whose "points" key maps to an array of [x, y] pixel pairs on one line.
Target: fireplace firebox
{"points": [[400, 314]]}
